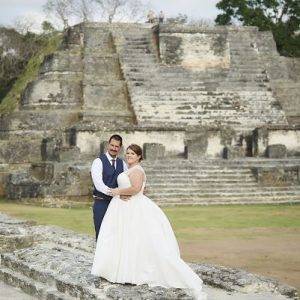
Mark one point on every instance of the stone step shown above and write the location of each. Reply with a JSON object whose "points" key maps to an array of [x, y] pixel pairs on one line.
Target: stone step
{"points": [[223, 201], [203, 176], [163, 92], [217, 165], [183, 199], [203, 182], [220, 187], [202, 169], [221, 163], [186, 98], [32, 287], [36, 120], [179, 193], [64, 271]]}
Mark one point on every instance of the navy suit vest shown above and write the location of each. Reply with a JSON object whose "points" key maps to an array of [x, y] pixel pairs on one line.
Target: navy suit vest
{"points": [[109, 175]]}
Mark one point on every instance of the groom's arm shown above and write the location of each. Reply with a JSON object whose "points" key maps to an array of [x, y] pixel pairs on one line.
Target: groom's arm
{"points": [[96, 173]]}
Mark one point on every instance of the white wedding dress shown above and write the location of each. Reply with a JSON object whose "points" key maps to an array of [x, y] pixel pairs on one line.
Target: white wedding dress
{"points": [[136, 244]]}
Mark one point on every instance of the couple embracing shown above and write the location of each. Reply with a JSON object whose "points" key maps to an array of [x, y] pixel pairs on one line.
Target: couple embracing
{"points": [[135, 241]]}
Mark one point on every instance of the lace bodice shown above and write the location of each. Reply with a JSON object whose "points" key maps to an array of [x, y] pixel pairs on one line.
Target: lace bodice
{"points": [[124, 181]]}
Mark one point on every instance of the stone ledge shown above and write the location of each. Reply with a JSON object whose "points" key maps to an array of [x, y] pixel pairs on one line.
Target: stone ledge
{"points": [[59, 263]]}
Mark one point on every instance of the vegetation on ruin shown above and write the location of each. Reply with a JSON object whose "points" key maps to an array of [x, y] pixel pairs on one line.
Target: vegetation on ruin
{"points": [[282, 17], [47, 45], [186, 220]]}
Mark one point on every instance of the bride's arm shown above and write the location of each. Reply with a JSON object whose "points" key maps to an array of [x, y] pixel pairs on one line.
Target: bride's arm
{"points": [[136, 178]]}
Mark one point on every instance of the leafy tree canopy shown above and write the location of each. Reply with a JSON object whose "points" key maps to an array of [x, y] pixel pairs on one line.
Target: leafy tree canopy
{"points": [[282, 17]]}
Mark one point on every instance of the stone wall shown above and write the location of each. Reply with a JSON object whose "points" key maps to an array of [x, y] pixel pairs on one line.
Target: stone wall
{"points": [[188, 93], [194, 48], [287, 137], [174, 141]]}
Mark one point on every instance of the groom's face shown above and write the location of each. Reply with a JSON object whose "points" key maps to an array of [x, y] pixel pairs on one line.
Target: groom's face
{"points": [[114, 147]]}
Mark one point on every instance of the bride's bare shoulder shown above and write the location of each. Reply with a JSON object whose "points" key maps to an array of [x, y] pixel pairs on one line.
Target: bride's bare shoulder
{"points": [[136, 170]]}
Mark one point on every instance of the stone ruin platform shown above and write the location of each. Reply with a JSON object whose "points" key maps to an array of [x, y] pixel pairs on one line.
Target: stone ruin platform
{"points": [[209, 99], [49, 262]]}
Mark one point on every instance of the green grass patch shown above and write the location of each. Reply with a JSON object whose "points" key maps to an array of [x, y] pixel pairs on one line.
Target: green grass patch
{"points": [[77, 219], [188, 222], [30, 73], [234, 216], [233, 221]]}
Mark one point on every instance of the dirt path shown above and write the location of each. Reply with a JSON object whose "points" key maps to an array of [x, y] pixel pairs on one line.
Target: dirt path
{"points": [[264, 254]]}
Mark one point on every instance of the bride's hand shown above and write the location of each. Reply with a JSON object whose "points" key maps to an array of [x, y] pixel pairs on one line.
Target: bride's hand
{"points": [[114, 192]]}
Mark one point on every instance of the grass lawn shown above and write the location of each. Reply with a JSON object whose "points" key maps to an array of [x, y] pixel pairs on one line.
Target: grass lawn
{"points": [[77, 219], [189, 223]]}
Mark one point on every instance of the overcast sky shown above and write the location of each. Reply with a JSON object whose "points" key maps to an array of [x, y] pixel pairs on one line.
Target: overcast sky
{"points": [[196, 9]]}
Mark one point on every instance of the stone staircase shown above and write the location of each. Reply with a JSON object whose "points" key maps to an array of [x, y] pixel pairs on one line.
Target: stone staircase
{"points": [[105, 95], [173, 95], [283, 75], [170, 182], [209, 182], [288, 93]]}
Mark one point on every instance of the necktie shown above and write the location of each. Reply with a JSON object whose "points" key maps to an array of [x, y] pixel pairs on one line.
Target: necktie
{"points": [[113, 163]]}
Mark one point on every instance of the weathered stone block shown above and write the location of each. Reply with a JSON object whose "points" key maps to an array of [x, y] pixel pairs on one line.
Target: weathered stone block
{"points": [[5, 122], [44, 93], [69, 181], [153, 151], [3, 183], [195, 50], [42, 171], [277, 176], [276, 151], [50, 149], [196, 148], [19, 151], [36, 121], [23, 185], [66, 61], [106, 96], [98, 39], [232, 152], [102, 67], [260, 141], [68, 153], [72, 36]]}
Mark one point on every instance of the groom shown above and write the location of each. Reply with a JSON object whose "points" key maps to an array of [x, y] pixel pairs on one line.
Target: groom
{"points": [[104, 171]]}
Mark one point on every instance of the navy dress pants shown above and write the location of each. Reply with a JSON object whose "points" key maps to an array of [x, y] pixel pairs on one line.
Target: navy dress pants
{"points": [[99, 209]]}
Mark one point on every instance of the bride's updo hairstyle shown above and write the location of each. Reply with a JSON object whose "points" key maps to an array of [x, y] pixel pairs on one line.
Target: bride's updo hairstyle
{"points": [[136, 149]]}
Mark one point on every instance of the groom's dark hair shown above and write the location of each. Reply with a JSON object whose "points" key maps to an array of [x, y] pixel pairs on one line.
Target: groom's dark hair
{"points": [[116, 137]]}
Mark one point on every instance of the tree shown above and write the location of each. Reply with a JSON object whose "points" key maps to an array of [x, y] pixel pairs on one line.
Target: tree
{"points": [[121, 9], [62, 9], [24, 24], [47, 27], [83, 9], [282, 17], [179, 19], [15, 51]]}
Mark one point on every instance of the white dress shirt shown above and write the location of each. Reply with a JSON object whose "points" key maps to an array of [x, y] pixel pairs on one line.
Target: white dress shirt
{"points": [[96, 173]]}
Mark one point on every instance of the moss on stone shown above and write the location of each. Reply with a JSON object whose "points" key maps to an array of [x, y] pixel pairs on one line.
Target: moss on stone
{"points": [[30, 73]]}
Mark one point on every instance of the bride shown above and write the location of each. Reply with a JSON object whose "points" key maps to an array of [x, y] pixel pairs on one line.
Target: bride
{"points": [[136, 243]]}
